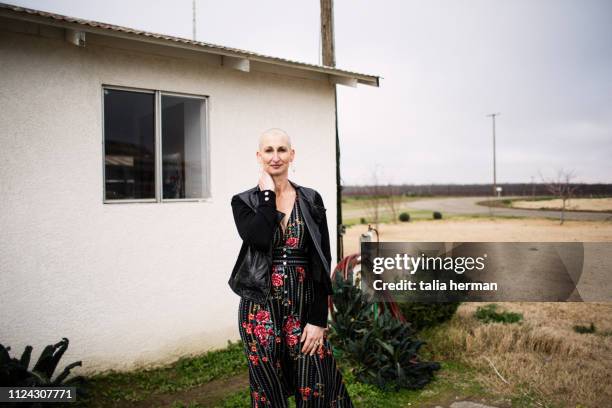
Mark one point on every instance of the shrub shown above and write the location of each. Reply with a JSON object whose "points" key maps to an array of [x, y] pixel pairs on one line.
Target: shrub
{"points": [[404, 217], [489, 313], [424, 315], [382, 350], [437, 215], [363, 220], [585, 329]]}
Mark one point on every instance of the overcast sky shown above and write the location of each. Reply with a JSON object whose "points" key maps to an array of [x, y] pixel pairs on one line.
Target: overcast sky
{"points": [[545, 65]]}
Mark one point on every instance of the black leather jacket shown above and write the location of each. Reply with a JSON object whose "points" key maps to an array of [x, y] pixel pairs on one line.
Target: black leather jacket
{"points": [[256, 220]]}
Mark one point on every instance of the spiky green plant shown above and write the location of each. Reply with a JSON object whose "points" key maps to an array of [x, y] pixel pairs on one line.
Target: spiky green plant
{"points": [[382, 349], [15, 373]]}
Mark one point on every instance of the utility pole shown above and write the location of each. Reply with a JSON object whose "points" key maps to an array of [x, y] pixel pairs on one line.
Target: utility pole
{"points": [[494, 164], [193, 7], [327, 33], [329, 59]]}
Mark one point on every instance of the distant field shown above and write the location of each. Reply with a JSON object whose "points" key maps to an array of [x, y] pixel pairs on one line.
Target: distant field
{"points": [[361, 202], [575, 204], [356, 208]]}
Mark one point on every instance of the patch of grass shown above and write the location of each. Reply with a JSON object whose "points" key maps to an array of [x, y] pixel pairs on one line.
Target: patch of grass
{"points": [[183, 374], [517, 352], [536, 198], [243, 399], [511, 203], [181, 404], [454, 379], [489, 313], [507, 202], [354, 202], [605, 333], [237, 400], [385, 217], [529, 397], [584, 329]]}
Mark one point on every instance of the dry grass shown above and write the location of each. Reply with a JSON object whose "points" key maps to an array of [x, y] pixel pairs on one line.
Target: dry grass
{"points": [[575, 204], [542, 357]]}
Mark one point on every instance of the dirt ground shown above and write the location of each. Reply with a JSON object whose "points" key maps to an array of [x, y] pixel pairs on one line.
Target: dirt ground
{"points": [[490, 230], [579, 204]]}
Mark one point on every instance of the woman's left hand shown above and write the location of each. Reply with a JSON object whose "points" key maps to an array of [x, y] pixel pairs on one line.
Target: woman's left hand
{"points": [[312, 337]]}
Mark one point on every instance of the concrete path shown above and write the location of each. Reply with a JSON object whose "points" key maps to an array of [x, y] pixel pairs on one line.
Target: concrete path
{"points": [[468, 206]]}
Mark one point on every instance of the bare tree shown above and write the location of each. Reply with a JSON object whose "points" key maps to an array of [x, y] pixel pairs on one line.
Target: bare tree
{"points": [[561, 187], [374, 200], [393, 198]]}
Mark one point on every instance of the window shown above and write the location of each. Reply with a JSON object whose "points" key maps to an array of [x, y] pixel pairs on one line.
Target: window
{"points": [[129, 144], [183, 146], [155, 146]]}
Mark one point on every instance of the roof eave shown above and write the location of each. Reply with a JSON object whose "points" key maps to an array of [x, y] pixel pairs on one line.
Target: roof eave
{"points": [[336, 75]]}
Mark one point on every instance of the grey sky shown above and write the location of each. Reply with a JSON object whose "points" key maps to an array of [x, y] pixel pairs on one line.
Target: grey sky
{"points": [[546, 65]]}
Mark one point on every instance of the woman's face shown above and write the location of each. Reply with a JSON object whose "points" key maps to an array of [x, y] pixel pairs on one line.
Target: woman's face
{"points": [[275, 154]]}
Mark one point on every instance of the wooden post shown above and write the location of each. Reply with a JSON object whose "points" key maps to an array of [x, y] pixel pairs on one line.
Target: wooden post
{"points": [[329, 59], [327, 33]]}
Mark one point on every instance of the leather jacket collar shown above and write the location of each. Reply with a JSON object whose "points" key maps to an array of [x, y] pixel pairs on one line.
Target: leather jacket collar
{"points": [[244, 281], [311, 212]]}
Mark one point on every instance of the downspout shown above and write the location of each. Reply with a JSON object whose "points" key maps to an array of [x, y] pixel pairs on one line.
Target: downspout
{"points": [[340, 232]]}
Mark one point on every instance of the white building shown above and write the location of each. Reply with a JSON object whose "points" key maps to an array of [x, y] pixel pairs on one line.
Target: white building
{"points": [[103, 241]]}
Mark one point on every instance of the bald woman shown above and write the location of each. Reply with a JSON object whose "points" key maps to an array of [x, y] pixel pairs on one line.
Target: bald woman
{"points": [[285, 338]]}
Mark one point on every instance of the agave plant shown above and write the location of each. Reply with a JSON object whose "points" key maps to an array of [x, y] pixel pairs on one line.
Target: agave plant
{"points": [[14, 372], [382, 349]]}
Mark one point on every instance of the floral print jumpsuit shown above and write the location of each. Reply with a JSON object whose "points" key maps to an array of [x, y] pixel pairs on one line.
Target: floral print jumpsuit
{"points": [[271, 333]]}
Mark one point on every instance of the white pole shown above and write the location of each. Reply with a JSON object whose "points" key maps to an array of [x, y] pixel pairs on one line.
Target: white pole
{"points": [[492, 115], [194, 19]]}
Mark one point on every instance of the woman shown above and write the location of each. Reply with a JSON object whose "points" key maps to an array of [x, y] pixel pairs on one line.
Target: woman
{"points": [[285, 338]]}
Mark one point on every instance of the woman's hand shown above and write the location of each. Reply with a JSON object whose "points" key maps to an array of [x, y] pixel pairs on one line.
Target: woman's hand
{"points": [[265, 181], [312, 337]]}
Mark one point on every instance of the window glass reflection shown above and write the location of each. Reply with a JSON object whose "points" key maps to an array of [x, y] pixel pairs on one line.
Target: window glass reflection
{"points": [[129, 144], [183, 147]]}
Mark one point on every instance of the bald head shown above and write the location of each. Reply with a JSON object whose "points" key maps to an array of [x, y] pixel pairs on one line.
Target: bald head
{"points": [[274, 136]]}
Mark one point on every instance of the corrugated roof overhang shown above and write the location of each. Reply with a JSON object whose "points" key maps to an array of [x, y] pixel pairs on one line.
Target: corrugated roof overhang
{"points": [[237, 57]]}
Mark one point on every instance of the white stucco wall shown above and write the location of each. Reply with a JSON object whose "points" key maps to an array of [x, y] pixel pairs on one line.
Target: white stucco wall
{"points": [[139, 283]]}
